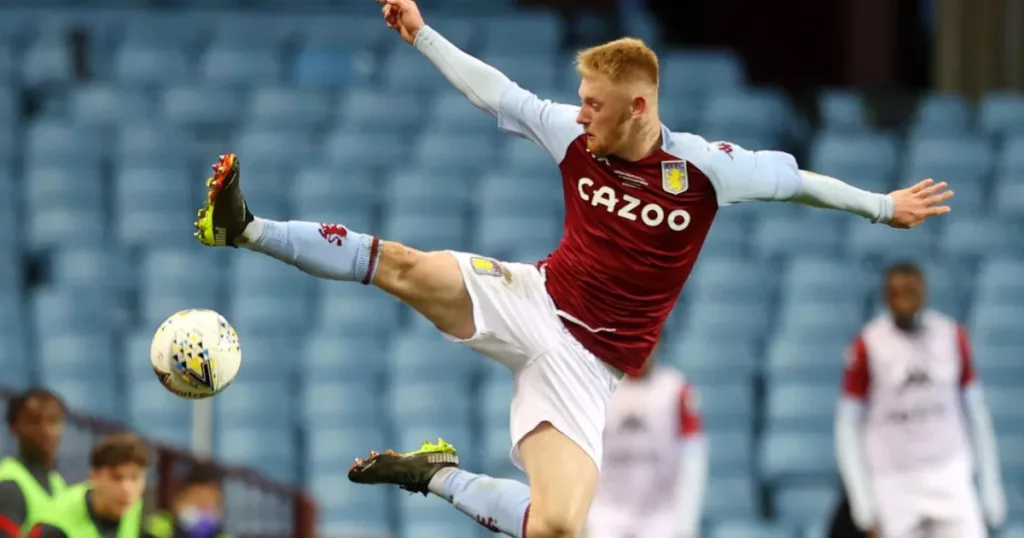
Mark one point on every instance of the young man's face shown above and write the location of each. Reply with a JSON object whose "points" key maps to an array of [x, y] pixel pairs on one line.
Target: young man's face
{"points": [[117, 488], [205, 499], [39, 427]]}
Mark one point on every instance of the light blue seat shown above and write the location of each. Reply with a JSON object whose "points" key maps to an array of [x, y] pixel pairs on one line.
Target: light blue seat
{"points": [[803, 505], [101, 104], [11, 268], [270, 147], [792, 359], [343, 33], [855, 156], [731, 451], [331, 450], [348, 507], [231, 65], [707, 358], [74, 355], [1008, 197], [801, 407], [980, 236], [13, 356], [884, 242], [505, 34], [259, 272], [151, 408], [326, 67], [270, 356], [438, 232], [135, 349], [742, 322], [537, 73], [255, 30], [495, 447], [429, 356], [168, 270], [90, 268], [1007, 415], [318, 192], [1011, 453], [149, 145], [495, 397], [999, 362], [277, 107], [177, 30], [999, 280], [705, 71], [333, 356], [785, 236], [786, 455], [349, 404], [157, 305], [56, 309], [842, 111], [160, 193], [440, 151], [412, 192], [270, 450], [376, 110], [731, 279], [269, 312], [820, 321], [501, 236], [97, 397], [352, 148], [202, 106], [414, 403], [452, 112], [942, 113], [997, 324], [351, 310], [256, 403], [728, 236], [1001, 113], [825, 279], [47, 62], [56, 143], [752, 111], [951, 158], [64, 203], [518, 194], [408, 70], [752, 529], [418, 514], [727, 404], [730, 496]]}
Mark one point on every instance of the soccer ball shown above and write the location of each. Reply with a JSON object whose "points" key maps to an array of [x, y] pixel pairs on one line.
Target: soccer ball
{"points": [[195, 353]]}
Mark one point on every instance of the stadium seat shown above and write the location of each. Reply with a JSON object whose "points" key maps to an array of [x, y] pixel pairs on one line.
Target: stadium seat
{"points": [[330, 451], [350, 148], [753, 111], [149, 201], [88, 267], [495, 446], [346, 404], [727, 404], [786, 455], [411, 403], [731, 496], [789, 406], [998, 280], [282, 108], [63, 144], [824, 279], [272, 147], [495, 397], [408, 70], [271, 356], [842, 111], [1009, 197], [958, 159], [440, 232], [270, 450], [269, 312], [998, 362], [518, 194], [408, 193], [343, 33], [202, 106], [155, 411], [744, 322], [794, 360], [17, 370], [423, 357], [752, 529], [502, 236], [997, 324], [151, 64], [419, 515], [703, 357], [452, 112], [257, 403], [231, 64], [379, 110], [883, 242], [59, 309], [99, 396], [318, 192], [332, 356], [504, 35], [352, 310], [803, 505], [787, 236], [820, 321], [155, 146], [537, 73], [1011, 158], [731, 451], [979, 236], [1007, 415], [942, 114], [449, 152], [349, 507], [728, 236], [730, 279], [868, 160], [69, 355], [101, 104], [701, 71], [47, 62], [1001, 113], [1011, 453]]}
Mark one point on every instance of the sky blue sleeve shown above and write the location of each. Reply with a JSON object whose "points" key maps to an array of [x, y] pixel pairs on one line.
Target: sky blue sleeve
{"points": [[740, 175], [550, 125]]}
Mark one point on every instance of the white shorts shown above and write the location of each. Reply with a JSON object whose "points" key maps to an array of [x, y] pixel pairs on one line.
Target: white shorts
{"points": [[941, 502], [610, 522], [556, 379]]}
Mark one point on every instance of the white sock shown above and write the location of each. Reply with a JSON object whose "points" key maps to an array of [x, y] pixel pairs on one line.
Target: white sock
{"points": [[499, 504], [323, 250]]}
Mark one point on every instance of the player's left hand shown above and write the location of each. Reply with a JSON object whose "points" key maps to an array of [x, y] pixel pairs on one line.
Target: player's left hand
{"points": [[404, 17], [914, 205]]}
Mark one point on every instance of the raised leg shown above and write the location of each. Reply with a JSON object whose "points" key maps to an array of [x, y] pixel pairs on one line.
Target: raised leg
{"points": [[563, 481]]}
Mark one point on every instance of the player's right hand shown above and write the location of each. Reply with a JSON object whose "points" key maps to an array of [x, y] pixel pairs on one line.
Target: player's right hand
{"points": [[404, 17], [915, 204]]}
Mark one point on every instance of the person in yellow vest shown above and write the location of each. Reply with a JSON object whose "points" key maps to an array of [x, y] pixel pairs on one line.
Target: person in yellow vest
{"points": [[197, 509], [109, 505], [28, 481]]}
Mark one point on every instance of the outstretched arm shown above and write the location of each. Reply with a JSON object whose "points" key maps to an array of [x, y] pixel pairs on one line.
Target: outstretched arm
{"points": [[740, 175], [550, 125]]}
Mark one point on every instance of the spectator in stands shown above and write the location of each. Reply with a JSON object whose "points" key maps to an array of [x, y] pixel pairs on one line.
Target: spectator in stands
{"points": [[196, 510], [29, 480], [655, 460], [110, 503], [911, 406]]}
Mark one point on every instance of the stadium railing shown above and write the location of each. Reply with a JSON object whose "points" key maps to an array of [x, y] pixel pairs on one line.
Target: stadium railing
{"points": [[258, 506]]}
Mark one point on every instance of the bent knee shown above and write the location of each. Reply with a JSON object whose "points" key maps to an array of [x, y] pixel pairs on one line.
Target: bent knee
{"points": [[552, 525]]}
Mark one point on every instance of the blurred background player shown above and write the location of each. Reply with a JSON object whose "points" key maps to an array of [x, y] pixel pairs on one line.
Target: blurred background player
{"points": [[29, 480], [197, 509], [569, 327], [911, 406], [655, 459], [110, 503]]}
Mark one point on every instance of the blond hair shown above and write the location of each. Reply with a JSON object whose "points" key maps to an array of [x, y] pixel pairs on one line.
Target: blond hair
{"points": [[623, 60]]}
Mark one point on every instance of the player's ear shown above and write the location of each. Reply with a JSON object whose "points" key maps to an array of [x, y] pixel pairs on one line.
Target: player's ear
{"points": [[639, 106]]}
